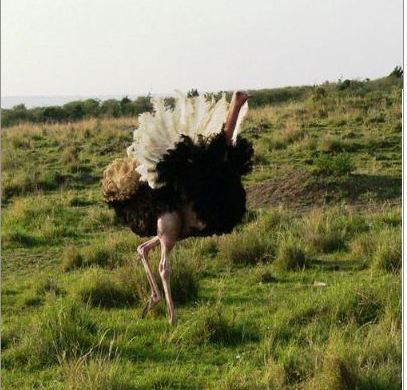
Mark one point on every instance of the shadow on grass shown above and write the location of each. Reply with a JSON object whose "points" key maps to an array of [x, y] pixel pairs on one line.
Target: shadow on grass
{"points": [[336, 265], [383, 187]]}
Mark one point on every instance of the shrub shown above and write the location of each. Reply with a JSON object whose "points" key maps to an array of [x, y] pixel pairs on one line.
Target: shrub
{"points": [[31, 300], [240, 378], [71, 258], [318, 93], [275, 376], [243, 248], [49, 285], [296, 363], [291, 132], [330, 143], [102, 289], [184, 281], [98, 219], [275, 219], [212, 325], [264, 275], [338, 165], [363, 246], [323, 231], [290, 255], [337, 373], [96, 254], [207, 247], [88, 373], [360, 305], [397, 72], [20, 238], [70, 155], [388, 254]]}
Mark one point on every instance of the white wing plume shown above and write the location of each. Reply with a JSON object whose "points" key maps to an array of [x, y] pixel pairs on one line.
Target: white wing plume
{"points": [[242, 114], [159, 132]]}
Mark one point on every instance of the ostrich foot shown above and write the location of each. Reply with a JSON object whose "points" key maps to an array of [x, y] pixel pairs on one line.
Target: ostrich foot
{"points": [[153, 301], [173, 320]]}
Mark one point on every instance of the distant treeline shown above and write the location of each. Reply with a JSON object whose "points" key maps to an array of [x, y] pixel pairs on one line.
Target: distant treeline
{"points": [[113, 108]]}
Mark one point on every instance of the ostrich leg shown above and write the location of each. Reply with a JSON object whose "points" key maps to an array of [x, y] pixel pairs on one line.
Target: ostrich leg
{"points": [[143, 251], [169, 228]]}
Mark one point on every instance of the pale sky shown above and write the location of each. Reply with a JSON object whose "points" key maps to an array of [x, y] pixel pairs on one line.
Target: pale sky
{"points": [[98, 47]]}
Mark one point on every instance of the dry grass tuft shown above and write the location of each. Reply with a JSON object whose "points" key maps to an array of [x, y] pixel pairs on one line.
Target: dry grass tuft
{"points": [[290, 255], [388, 255]]}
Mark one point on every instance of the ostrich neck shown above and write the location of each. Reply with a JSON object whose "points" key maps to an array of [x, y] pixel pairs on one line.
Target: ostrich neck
{"points": [[231, 120]]}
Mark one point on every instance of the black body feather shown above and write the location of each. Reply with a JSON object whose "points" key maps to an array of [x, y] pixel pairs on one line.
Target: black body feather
{"points": [[207, 173]]}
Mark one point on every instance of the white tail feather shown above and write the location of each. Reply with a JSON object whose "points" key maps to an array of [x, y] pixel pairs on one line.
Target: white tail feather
{"points": [[159, 132], [242, 115]]}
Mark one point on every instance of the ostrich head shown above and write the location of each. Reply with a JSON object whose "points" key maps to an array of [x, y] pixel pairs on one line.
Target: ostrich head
{"points": [[239, 98]]}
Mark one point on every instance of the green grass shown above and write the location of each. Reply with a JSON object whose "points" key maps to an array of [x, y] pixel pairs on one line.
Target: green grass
{"points": [[306, 293]]}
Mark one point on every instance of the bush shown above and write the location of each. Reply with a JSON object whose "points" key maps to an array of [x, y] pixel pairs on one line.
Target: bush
{"points": [[89, 373], [275, 376], [323, 231], [19, 238], [388, 255], [338, 165], [71, 258], [264, 275], [330, 143], [96, 254], [244, 248], [184, 281], [207, 247], [360, 305], [397, 72], [32, 300], [363, 246], [338, 373], [290, 255], [49, 285], [211, 325], [102, 289]]}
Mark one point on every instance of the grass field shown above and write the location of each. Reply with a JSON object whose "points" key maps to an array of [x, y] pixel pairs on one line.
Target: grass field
{"points": [[306, 294]]}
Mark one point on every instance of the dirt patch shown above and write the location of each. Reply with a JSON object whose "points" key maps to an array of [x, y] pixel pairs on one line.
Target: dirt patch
{"points": [[291, 188], [299, 189]]}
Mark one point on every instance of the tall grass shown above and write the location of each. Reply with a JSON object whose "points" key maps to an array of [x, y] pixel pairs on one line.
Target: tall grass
{"points": [[63, 329], [388, 255], [100, 288], [38, 221]]}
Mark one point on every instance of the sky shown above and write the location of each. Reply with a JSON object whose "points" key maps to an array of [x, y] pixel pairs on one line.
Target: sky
{"points": [[119, 47]]}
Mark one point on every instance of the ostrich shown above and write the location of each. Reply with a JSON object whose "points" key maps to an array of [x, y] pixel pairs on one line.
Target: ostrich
{"points": [[182, 178]]}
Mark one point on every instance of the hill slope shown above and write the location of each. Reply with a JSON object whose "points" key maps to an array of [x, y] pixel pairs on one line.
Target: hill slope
{"points": [[305, 294]]}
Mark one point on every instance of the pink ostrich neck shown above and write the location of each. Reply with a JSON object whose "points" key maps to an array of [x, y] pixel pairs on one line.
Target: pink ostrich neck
{"points": [[238, 99]]}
